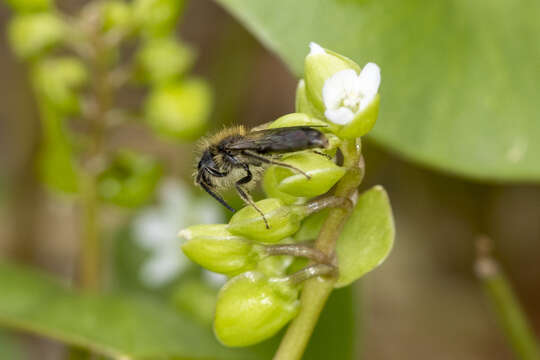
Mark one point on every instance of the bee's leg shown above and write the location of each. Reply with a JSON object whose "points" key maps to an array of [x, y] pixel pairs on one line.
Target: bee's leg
{"points": [[215, 196], [247, 199], [322, 154], [266, 160]]}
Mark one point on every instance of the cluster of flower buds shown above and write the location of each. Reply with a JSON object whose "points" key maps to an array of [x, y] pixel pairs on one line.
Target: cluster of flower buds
{"points": [[259, 254], [72, 57]]}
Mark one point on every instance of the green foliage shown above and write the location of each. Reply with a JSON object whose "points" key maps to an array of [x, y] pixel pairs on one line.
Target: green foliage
{"points": [[56, 81], [117, 15], [111, 325], [24, 6], [335, 335], [56, 164], [130, 180], [156, 18], [197, 299], [163, 60], [10, 347], [367, 238], [179, 110], [32, 34], [460, 79]]}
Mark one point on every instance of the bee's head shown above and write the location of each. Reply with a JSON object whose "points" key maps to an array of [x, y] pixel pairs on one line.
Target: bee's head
{"points": [[205, 167]]}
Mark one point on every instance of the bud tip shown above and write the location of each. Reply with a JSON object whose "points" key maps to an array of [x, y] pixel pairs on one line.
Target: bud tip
{"points": [[315, 49]]}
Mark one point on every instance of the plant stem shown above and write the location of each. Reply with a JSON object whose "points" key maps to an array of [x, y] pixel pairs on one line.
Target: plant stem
{"points": [[102, 93], [317, 290], [505, 303], [91, 245]]}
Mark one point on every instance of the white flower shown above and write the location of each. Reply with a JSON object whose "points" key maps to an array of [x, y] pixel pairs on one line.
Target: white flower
{"points": [[155, 229], [346, 94]]}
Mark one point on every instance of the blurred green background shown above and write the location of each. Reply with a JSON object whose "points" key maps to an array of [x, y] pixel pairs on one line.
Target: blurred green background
{"points": [[424, 303]]}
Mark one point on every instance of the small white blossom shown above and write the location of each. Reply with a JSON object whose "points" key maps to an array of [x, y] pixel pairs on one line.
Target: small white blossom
{"points": [[155, 230], [346, 94]]}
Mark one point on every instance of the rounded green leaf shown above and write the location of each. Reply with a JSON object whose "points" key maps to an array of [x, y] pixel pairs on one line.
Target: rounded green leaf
{"points": [[115, 326], [367, 238]]}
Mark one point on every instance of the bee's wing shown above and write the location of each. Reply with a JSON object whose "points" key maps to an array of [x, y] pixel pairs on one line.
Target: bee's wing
{"points": [[286, 139]]}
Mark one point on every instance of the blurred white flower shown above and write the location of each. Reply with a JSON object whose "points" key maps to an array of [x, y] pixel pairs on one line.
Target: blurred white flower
{"points": [[346, 94], [155, 230], [214, 279]]}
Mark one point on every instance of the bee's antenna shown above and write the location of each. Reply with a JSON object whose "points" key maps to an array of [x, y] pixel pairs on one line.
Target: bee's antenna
{"points": [[216, 196]]}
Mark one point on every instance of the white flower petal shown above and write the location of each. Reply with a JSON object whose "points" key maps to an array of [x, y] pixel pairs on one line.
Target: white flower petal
{"points": [[150, 230], [369, 80], [315, 49], [337, 86], [340, 116]]}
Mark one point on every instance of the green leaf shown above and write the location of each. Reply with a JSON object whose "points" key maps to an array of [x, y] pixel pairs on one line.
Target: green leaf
{"points": [[11, 349], [367, 238], [459, 78], [112, 325]]}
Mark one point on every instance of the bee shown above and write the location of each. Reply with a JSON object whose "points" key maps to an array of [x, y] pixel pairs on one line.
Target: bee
{"points": [[237, 158]]}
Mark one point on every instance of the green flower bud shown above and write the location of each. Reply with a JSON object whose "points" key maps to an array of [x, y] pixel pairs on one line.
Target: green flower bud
{"points": [[270, 187], [274, 266], [179, 110], [346, 95], [320, 64], [157, 18], [252, 307], [57, 80], [303, 104], [216, 249], [117, 15], [283, 221], [299, 119], [324, 174], [163, 59], [32, 34], [130, 181], [24, 6]]}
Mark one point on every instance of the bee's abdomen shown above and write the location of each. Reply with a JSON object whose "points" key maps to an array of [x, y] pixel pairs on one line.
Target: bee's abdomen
{"points": [[300, 138]]}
